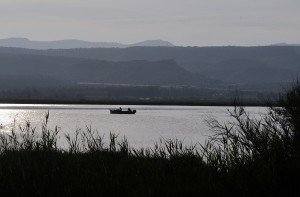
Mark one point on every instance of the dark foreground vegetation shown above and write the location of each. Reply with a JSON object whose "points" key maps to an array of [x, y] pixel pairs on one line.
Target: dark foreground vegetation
{"points": [[245, 157]]}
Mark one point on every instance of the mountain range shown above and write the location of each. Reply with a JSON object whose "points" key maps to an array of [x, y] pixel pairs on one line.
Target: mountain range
{"points": [[142, 71], [72, 43], [263, 64], [44, 71]]}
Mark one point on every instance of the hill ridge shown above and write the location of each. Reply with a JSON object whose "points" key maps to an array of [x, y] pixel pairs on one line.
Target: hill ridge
{"points": [[74, 43]]}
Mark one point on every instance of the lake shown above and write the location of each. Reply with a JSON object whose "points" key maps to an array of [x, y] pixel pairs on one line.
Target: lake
{"points": [[147, 126]]}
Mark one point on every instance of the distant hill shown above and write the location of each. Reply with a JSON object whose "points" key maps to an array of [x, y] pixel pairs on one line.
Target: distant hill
{"points": [[152, 43], [36, 70], [69, 44], [285, 44], [243, 70], [266, 64]]}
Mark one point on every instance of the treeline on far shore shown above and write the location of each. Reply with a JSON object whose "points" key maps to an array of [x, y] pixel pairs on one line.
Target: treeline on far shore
{"points": [[243, 157], [137, 101], [148, 95], [153, 95]]}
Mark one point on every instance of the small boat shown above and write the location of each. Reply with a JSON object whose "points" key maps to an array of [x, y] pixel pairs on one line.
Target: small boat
{"points": [[121, 111]]}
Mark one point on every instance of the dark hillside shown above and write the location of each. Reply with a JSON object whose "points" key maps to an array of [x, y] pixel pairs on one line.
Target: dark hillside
{"points": [[211, 61], [240, 70], [65, 70], [289, 56]]}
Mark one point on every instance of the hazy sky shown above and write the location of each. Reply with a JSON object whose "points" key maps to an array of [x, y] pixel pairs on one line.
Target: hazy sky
{"points": [[182, 22]]}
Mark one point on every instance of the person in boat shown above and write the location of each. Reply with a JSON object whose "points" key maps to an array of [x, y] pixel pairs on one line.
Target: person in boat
{"points": [[120, 109]]}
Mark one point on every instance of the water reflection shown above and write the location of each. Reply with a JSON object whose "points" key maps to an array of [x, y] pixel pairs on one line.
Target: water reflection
{"points": [[146, 127], [14, 118]]}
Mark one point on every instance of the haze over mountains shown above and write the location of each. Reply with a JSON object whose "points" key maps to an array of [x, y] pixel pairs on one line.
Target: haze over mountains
{"points": [[72, 43], [233, 64], [66, 71], [206, 72]]}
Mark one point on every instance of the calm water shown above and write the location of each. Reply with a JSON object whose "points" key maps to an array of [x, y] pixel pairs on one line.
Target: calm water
{"points": [[147, 126]]}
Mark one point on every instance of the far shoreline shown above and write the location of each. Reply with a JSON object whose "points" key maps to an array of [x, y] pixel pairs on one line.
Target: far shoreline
{"points": [[140, 102]]}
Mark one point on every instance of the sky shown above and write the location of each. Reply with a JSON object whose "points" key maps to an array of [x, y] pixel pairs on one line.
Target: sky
{"points": [[181, 22]]}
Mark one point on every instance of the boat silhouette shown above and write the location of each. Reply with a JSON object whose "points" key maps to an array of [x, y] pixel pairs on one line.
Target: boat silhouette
{"points": [[121, 111]]}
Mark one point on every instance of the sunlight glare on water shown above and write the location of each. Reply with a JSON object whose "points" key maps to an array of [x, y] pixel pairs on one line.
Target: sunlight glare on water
{"points": [[14, 118], [147, 126]]}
